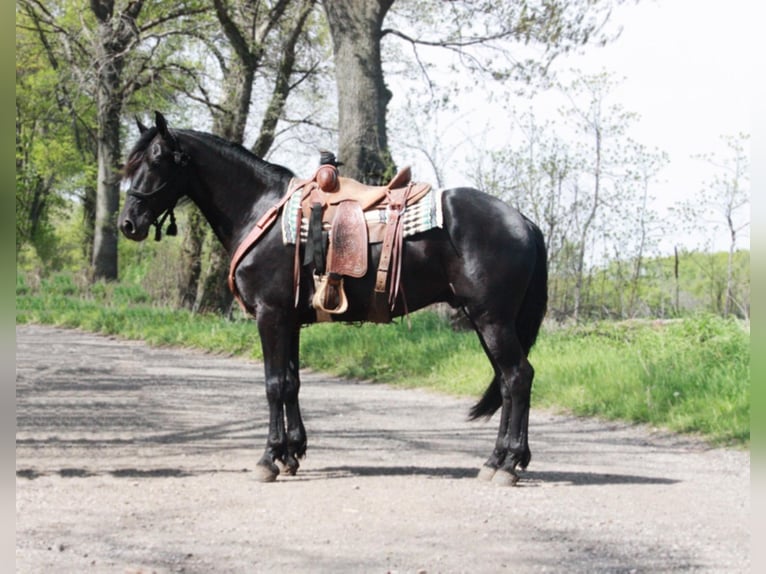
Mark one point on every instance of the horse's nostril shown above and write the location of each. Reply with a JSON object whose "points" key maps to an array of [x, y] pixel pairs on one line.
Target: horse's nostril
{"points": [[127, 227]]}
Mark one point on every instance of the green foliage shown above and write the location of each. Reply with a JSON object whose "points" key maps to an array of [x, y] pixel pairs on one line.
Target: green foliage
{"points": [[53, 161], [700, 287], [422, 350], [688, 375], [61, 50]]}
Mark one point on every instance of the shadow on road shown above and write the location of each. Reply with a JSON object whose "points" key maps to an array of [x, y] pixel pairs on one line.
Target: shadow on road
{"points": [[538, 478]]}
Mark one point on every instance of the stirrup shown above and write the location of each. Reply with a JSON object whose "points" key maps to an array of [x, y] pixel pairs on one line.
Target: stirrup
{"points": [[325, 288]]}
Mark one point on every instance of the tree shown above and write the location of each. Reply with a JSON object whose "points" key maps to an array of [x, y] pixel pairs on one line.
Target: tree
{"points": [[537, 175], [587, 184], [356, 27], [725, 200], [111, 51], [114, 34], [55, 147], [638, 226], [260, 39], [601, 125], [481, 34]]}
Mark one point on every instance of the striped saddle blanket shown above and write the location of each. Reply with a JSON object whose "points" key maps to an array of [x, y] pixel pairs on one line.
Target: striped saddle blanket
{"points": [[419, 217]]}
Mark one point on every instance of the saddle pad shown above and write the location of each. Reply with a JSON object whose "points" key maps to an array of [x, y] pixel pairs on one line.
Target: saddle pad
{"points": [[424, 215]]}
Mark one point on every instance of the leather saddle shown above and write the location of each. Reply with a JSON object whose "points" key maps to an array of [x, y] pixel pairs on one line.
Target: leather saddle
{"points": [[339, 234]]}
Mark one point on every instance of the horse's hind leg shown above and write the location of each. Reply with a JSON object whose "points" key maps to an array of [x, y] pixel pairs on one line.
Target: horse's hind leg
{"points": [[514, 423], [514, 374]]}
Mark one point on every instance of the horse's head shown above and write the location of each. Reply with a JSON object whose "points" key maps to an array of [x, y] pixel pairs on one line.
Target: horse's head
{"points": [[157, 177]]}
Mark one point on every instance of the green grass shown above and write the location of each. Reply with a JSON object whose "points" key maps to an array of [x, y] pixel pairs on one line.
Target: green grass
{"points": [[690, 375]]}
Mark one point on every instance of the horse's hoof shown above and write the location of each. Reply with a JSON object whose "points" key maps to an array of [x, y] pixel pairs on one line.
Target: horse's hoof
{"points": [[290, 467], [486, 473], [265, 473], [505, 478]]}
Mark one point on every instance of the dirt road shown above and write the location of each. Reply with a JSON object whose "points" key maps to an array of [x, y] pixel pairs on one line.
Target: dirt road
{"points": [[132, 459]]}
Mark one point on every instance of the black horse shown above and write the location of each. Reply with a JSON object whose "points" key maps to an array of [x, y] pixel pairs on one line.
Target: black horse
{"points": [[487, 259]]}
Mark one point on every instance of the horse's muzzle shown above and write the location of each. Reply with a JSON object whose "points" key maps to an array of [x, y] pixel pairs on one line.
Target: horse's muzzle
{"points": [[131, 231]]}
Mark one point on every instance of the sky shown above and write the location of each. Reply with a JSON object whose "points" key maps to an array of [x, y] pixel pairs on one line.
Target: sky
{"points": [[688, 68]]}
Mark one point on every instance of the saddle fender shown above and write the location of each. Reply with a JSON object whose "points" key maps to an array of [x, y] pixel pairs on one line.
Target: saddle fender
{"points": [[347, 256]]}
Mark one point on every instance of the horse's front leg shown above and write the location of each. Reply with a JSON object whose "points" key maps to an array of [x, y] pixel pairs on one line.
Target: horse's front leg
{"points": [[277, 332], [296, 433]]}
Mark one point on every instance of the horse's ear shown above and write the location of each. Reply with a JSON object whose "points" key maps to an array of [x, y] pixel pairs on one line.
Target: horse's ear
{"points": [[141, 127], [162, 124]]}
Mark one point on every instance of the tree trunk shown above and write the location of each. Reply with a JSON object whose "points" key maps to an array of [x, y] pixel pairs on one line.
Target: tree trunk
{"points": [[107, 192], [363, 97], [238, 88], [213, 294], [210, 292], [639, 263], [282, 86], [586, 226], [677, 294], [89, 221], [109, 60], [191, 258], [730, 269]]}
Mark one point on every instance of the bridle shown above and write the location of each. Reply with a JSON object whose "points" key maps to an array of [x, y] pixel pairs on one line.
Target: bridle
{"points": [[181, 159]]}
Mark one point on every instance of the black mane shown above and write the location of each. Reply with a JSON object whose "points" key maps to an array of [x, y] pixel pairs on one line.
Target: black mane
{"points": [[226, 148]]}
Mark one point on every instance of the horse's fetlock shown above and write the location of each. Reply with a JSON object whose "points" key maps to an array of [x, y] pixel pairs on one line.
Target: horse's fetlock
{"points": [[296, 437]]}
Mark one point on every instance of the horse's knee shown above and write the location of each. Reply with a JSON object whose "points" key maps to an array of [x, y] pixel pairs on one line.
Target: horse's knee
{"points": [[291, 389], [274, 390]]}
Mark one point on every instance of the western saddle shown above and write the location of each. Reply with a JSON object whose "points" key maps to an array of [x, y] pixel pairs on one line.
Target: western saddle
{"points": [[339, 235]]}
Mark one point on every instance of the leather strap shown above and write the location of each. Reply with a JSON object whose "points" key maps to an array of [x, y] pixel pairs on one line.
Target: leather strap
{"points": [[390, 263], [261, 226], [385, 254]]}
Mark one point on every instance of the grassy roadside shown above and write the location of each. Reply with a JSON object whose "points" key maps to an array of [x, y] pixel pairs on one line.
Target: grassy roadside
{"points": [[691, 375]]}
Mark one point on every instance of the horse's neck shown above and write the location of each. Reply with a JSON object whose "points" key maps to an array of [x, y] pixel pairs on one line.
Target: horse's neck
{"points": [[231, 196]]}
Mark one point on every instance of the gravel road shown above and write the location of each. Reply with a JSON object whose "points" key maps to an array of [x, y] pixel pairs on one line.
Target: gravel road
{"points": [[134, 459]]}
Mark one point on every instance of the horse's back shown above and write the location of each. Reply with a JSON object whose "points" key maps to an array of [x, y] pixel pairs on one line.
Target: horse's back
{"points": [[471, 215], [485, 251]]}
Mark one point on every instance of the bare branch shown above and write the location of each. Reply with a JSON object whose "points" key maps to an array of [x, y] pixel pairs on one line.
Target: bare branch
{"points": [[233, 33], [282, 85], [174, 15]]}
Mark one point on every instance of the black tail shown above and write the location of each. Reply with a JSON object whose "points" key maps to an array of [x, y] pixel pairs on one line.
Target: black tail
{"points": [[528, 323]]}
